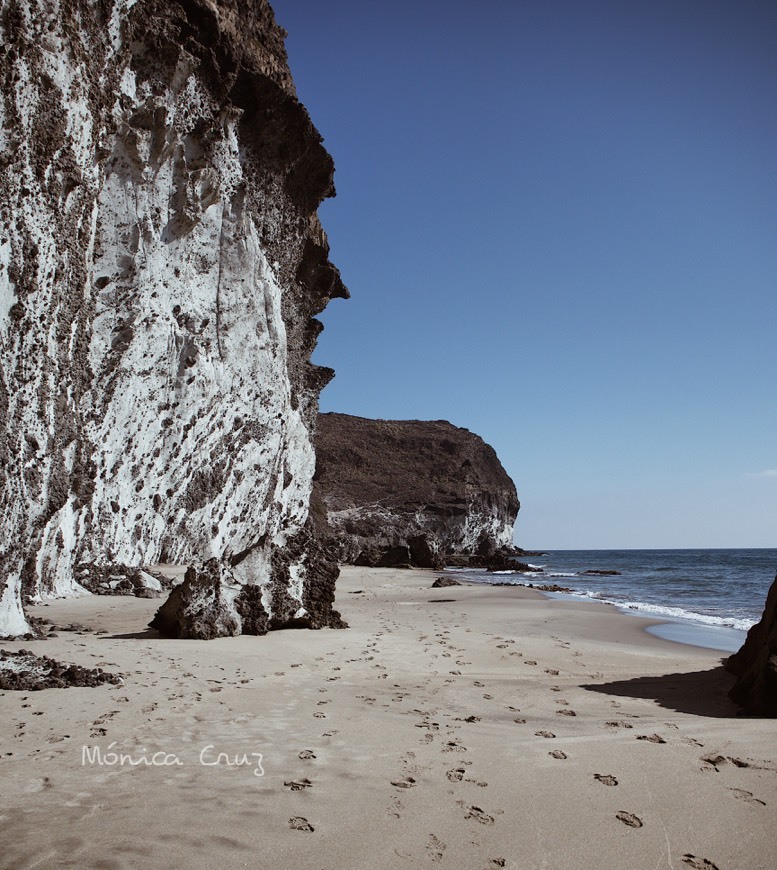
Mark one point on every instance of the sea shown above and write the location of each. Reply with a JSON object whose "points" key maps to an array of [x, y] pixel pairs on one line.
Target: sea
{"points": [[707, 598]]}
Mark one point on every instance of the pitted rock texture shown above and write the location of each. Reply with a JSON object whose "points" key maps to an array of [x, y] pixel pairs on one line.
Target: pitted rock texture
{"points": [[161, 264], [755, 665], [410, 492], [23, 671]]}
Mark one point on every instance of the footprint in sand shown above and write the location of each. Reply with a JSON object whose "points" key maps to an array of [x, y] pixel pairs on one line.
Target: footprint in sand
{"points": [[298, 784], [629, 819], [651, 738], [557, 753], [306, 754], [746, 796], [435, 847], [479, 816], [566, 712], [698, 863], [552, 671], [606, 779], [529, 662], [405, 782], [544, 734], [298, 823], [618, 725], [456, 775], [36, 785]]}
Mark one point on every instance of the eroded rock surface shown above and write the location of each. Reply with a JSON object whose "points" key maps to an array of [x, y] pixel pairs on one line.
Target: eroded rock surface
{"points": [[413, 492], [23, 671], [755, 665], [161, 266]]}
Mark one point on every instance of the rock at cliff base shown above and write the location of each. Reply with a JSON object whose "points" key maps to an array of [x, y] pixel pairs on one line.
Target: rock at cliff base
{"points": [[22, 671], [395, 557], [755, 665], [211, 602]]}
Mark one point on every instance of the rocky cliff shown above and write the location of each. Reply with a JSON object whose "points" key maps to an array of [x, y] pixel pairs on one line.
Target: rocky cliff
{"points": [[161, 264], [755, 665], [410, 491]]}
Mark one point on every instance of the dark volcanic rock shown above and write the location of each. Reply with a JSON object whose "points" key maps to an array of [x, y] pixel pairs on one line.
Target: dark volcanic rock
{"points": [[548, 587], [213, 602], [755, 665], [205, 606], [431, 489], [161, 269], [442, 582], [395, 557], [24, 672]]}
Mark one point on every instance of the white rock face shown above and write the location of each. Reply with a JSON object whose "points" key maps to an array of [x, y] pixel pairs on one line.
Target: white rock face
{"points": [[160, 263]]}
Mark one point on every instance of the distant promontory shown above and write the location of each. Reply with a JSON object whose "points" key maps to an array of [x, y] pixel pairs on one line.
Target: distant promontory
{"points": [[423, 493]]}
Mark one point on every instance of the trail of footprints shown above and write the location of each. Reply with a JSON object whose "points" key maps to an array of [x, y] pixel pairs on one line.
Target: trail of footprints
{"points": [[412, 774]]}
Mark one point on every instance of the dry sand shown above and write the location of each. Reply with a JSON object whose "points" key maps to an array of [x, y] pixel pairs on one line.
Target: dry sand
{"points": [[467, 727]]}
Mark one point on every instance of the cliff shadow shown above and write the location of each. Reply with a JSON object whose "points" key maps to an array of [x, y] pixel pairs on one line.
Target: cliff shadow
{"points": [[701, 693]]}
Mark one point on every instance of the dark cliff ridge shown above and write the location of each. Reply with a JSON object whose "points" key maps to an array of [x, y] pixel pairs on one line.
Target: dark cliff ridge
{"points": [[755, 665], [161, 266], [419, 492]]}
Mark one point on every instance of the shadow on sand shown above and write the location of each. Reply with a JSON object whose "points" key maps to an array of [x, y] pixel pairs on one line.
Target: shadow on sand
{"points": [[148, 634], [702, 693]]}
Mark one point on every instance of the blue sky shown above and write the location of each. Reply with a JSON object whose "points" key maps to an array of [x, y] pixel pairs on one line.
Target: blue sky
{"points": [[558, 223]]}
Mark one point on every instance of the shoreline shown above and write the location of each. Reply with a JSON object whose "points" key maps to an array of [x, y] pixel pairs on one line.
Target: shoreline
{"points": [[685, 630], [467, 727], [675, 630]]}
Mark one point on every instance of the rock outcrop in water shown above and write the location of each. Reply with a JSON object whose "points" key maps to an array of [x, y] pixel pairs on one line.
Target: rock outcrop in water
{"points": [[411, 492], [161, 266], [755, 665]]}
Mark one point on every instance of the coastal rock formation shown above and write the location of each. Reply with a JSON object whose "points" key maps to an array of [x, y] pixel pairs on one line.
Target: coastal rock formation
{"points": [[755, 665], [161, 266], [415, 492], [23, 671]]}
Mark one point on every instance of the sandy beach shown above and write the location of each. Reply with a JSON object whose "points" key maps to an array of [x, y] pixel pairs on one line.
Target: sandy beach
{"points": [[466, 727]]}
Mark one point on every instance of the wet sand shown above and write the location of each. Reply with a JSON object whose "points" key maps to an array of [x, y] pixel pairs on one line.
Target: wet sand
{"points": [[466, 727]]}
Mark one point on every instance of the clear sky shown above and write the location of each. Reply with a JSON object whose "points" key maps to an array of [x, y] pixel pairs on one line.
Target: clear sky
{"points": [[558, 223]]}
